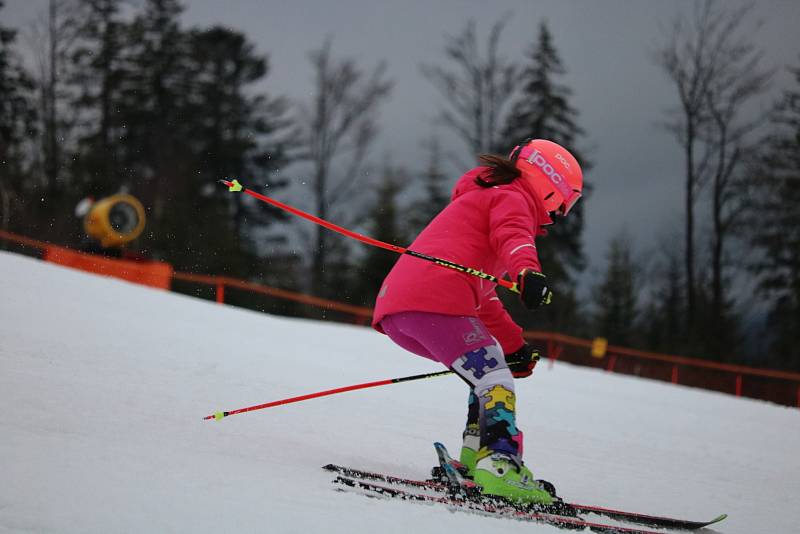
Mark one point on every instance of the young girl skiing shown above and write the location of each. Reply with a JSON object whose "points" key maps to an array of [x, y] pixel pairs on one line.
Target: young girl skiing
{"points": [[495, 213]]}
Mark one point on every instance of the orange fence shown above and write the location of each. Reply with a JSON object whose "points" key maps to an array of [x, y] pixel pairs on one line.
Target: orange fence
{"points": [[781, 387], [146, 272], [359, 313], [776, 386]]}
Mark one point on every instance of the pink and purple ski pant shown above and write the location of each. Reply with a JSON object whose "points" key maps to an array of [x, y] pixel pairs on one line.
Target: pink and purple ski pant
{"points": [[464, 344]]}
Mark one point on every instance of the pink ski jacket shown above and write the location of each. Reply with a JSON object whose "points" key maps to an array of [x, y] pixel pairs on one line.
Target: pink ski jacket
{"points": [[490, 229]]}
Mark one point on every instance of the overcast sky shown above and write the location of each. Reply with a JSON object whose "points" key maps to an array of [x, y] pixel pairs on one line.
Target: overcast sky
{"points": [[604, 45]]}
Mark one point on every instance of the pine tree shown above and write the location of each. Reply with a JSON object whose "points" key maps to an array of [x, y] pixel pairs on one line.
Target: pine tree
{"points": [[236, 133], [664, 325], [436, 194], [775, 228], [53, 38], [99, 74], [543, 111], [615, 297], [384, 223], [155, 98], [17, 123]]}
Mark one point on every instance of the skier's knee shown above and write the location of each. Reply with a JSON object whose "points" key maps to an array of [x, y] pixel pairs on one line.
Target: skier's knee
{"points": [[484, 367]]}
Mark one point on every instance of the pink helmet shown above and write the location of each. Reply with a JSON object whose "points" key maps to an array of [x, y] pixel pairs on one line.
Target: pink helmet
{"points": [[553, 172]]}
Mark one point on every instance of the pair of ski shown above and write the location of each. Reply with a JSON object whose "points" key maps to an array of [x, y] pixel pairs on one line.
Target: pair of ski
{"points": [[459, 493]]}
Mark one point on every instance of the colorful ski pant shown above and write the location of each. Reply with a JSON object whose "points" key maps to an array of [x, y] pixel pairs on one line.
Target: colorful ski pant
{"points": [[465, 345]]}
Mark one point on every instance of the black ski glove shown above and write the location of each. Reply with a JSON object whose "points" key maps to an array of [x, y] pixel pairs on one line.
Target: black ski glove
{"points": [[522, 362], [533, 289]]}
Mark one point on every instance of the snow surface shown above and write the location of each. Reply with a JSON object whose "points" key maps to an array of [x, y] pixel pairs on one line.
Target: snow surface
{"points": [[103, 386]]}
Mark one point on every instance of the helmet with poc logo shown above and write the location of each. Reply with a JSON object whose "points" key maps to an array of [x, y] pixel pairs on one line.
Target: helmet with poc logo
{"points": [[553, 172]]}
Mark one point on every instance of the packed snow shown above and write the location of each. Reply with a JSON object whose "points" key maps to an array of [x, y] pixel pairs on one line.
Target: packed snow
{"points": [[104, 386]]}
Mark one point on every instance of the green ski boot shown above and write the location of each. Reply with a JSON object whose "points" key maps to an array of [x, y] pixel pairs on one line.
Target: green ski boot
{"points": [[469, 457], [498, 474], [469, 449]]}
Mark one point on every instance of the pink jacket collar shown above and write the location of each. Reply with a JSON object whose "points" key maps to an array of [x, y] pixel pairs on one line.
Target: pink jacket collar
{"points": [[466, 184]]}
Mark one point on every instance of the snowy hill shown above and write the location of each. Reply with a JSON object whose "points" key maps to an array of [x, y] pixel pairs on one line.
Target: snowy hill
{"points": [[103, 387]]}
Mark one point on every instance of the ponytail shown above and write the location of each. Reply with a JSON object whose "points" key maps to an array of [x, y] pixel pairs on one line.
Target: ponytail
{"points": [[501, 171]]}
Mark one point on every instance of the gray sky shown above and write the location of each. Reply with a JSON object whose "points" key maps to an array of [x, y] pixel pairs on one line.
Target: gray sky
{"points": [[605, 46]]}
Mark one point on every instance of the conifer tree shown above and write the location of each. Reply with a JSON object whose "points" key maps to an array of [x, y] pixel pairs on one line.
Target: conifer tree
{"points": [[17, 120], [615, 297], [236, 133], [385, 223], [168, 111], [775, 228], [53, 35], [99, 72], [154, 108], [436, 190], [543, 111], [664, 325]]}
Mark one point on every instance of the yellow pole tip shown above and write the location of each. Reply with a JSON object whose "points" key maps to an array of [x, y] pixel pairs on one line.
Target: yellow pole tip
{"points": [[235, 186], [219, 415]]}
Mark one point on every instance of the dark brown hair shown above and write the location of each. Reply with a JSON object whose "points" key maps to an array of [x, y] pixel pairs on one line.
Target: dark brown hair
{"points": [[501, 171]]}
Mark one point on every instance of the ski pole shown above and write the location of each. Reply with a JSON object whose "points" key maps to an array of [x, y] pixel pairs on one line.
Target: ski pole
{"points": [[222, 415], [235, 186]]}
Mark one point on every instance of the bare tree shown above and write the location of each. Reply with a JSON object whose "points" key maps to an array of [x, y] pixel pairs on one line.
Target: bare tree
{"points": [[476, 90], [738, 78], [53, 36], [341, 120], [17, 124], [714, 68]]}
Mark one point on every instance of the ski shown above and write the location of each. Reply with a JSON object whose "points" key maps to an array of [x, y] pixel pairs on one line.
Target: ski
{"points": [[442, 488], [351, 472], [487, 508]]}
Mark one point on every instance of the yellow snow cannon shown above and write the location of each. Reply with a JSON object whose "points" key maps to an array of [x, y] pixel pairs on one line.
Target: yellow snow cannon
{"points": [[115, 221]]}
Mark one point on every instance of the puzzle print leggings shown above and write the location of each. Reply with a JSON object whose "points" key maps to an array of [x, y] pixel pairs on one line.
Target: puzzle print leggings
{"points": [[464, 345]]}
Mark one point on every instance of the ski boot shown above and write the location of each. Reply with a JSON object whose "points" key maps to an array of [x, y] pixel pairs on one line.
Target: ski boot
{"points": [[469, 449], [468, 458], [500, 475]]}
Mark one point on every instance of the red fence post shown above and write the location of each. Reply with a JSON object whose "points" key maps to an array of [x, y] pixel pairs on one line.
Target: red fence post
{"points": [[674, 374], [738, 385], [612, 361], [553, 352], [557, 350], [220, 292]]}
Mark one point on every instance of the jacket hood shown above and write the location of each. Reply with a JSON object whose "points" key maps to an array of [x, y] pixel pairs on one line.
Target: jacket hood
{"points": [[466, 184]]}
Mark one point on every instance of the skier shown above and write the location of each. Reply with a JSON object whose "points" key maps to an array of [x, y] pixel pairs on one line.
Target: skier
{"points": [[495, 213]]}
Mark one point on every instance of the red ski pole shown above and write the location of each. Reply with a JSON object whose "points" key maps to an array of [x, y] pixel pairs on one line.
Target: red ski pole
{"points": [[222, 415], [235, 186]]}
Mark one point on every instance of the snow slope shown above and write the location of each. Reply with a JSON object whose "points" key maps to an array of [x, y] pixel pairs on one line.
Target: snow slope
{"points": [[103, 386]]}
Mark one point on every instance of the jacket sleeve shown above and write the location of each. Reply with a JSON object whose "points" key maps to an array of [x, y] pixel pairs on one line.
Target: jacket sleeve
{"points": [[494, 315], [511, 232]]}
